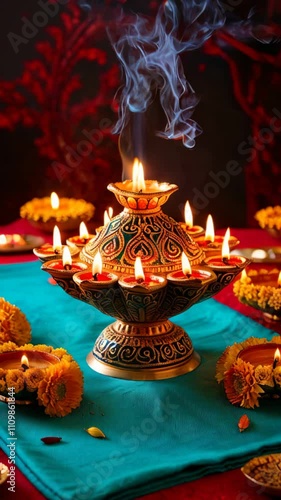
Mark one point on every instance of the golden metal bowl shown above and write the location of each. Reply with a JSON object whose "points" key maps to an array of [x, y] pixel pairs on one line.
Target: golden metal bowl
{"points": [[265, 472]]}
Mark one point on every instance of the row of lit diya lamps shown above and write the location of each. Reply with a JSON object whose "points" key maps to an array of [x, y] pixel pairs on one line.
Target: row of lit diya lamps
{"points": [[63, 258], [265, 285]]}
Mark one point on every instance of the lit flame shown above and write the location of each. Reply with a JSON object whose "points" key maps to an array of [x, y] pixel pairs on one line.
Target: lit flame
{"points": [[3, 239], [106, 218], [279, 279], [110, 212], [55, 201], [138, 176], [17, 238], [225, 253], [185, 264], [97, 264], [66, 258], [56, 240], [83, 231], [244, 276], [277, 356], [24, 361], [188, 217], [139, 274], [210, 232]]}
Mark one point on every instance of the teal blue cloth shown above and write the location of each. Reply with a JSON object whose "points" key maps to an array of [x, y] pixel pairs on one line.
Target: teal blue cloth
{"points": [[159, 433]]}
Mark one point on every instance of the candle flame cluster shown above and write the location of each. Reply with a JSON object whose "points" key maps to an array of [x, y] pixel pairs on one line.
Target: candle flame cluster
{"points": [[11, 239]]}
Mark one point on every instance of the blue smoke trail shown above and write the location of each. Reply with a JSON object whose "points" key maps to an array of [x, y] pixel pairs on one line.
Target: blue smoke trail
{"points": [[149, 54]]}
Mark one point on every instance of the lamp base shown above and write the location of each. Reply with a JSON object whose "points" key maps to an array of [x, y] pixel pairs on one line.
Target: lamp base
{"points": [[143, 351]]}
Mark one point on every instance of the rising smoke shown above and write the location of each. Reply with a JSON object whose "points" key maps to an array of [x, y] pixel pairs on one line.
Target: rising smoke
{"points": [[150, 55]]}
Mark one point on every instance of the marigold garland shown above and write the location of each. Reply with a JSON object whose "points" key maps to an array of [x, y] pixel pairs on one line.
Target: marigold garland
{"points": [[59, 387], [244, 384], [259, 296], [37, 209], [14, 326], [269, 217]]}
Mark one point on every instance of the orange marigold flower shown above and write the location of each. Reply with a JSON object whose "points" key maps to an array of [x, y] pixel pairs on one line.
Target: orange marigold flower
{"points": [[226, 360], [240, 385], [8, 346], [61, 389], [264, 375], [15, 378], [13, 324], [32, 377]]}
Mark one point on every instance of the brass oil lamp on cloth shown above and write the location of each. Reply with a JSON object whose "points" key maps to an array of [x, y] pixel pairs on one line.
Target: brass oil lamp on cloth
{"points": [[143, 344]]}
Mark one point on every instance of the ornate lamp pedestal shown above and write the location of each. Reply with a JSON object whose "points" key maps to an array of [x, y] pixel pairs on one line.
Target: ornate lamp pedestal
{"points": [[143, 344]]}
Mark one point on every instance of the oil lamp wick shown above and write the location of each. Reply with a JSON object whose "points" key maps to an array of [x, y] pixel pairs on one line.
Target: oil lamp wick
{"points": [[275, 361], [24, 367], [95, 276], [67, 267]]}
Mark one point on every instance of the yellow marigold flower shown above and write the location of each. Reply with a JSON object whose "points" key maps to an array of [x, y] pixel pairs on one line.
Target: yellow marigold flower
{"points": [[62, 354], [32, 377], [269, 217], [264, 375], [37, 347], [240, 385], [40, 209], [15, 378], [8, 346], [2, 373], [61, 389], [14, 326], [277, 375]]}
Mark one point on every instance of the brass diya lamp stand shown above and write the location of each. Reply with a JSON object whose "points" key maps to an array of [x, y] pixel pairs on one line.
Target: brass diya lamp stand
{"points": [[143, 344]]}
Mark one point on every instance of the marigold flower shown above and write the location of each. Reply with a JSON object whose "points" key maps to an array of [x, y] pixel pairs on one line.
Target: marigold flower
{"points": [[39, 209], [269, 217], [230, 354], [240, 385], [32, 377], [264, 375], [14, 326], [15, 378], [60, 391]]}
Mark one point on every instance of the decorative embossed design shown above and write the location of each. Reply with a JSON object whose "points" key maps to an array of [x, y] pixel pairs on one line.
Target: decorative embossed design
{"points": [[143, 307], [143, 343], [156, 238], [70, 288], [131, 352], [224, 278], [179, 298], [108, 301]]}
